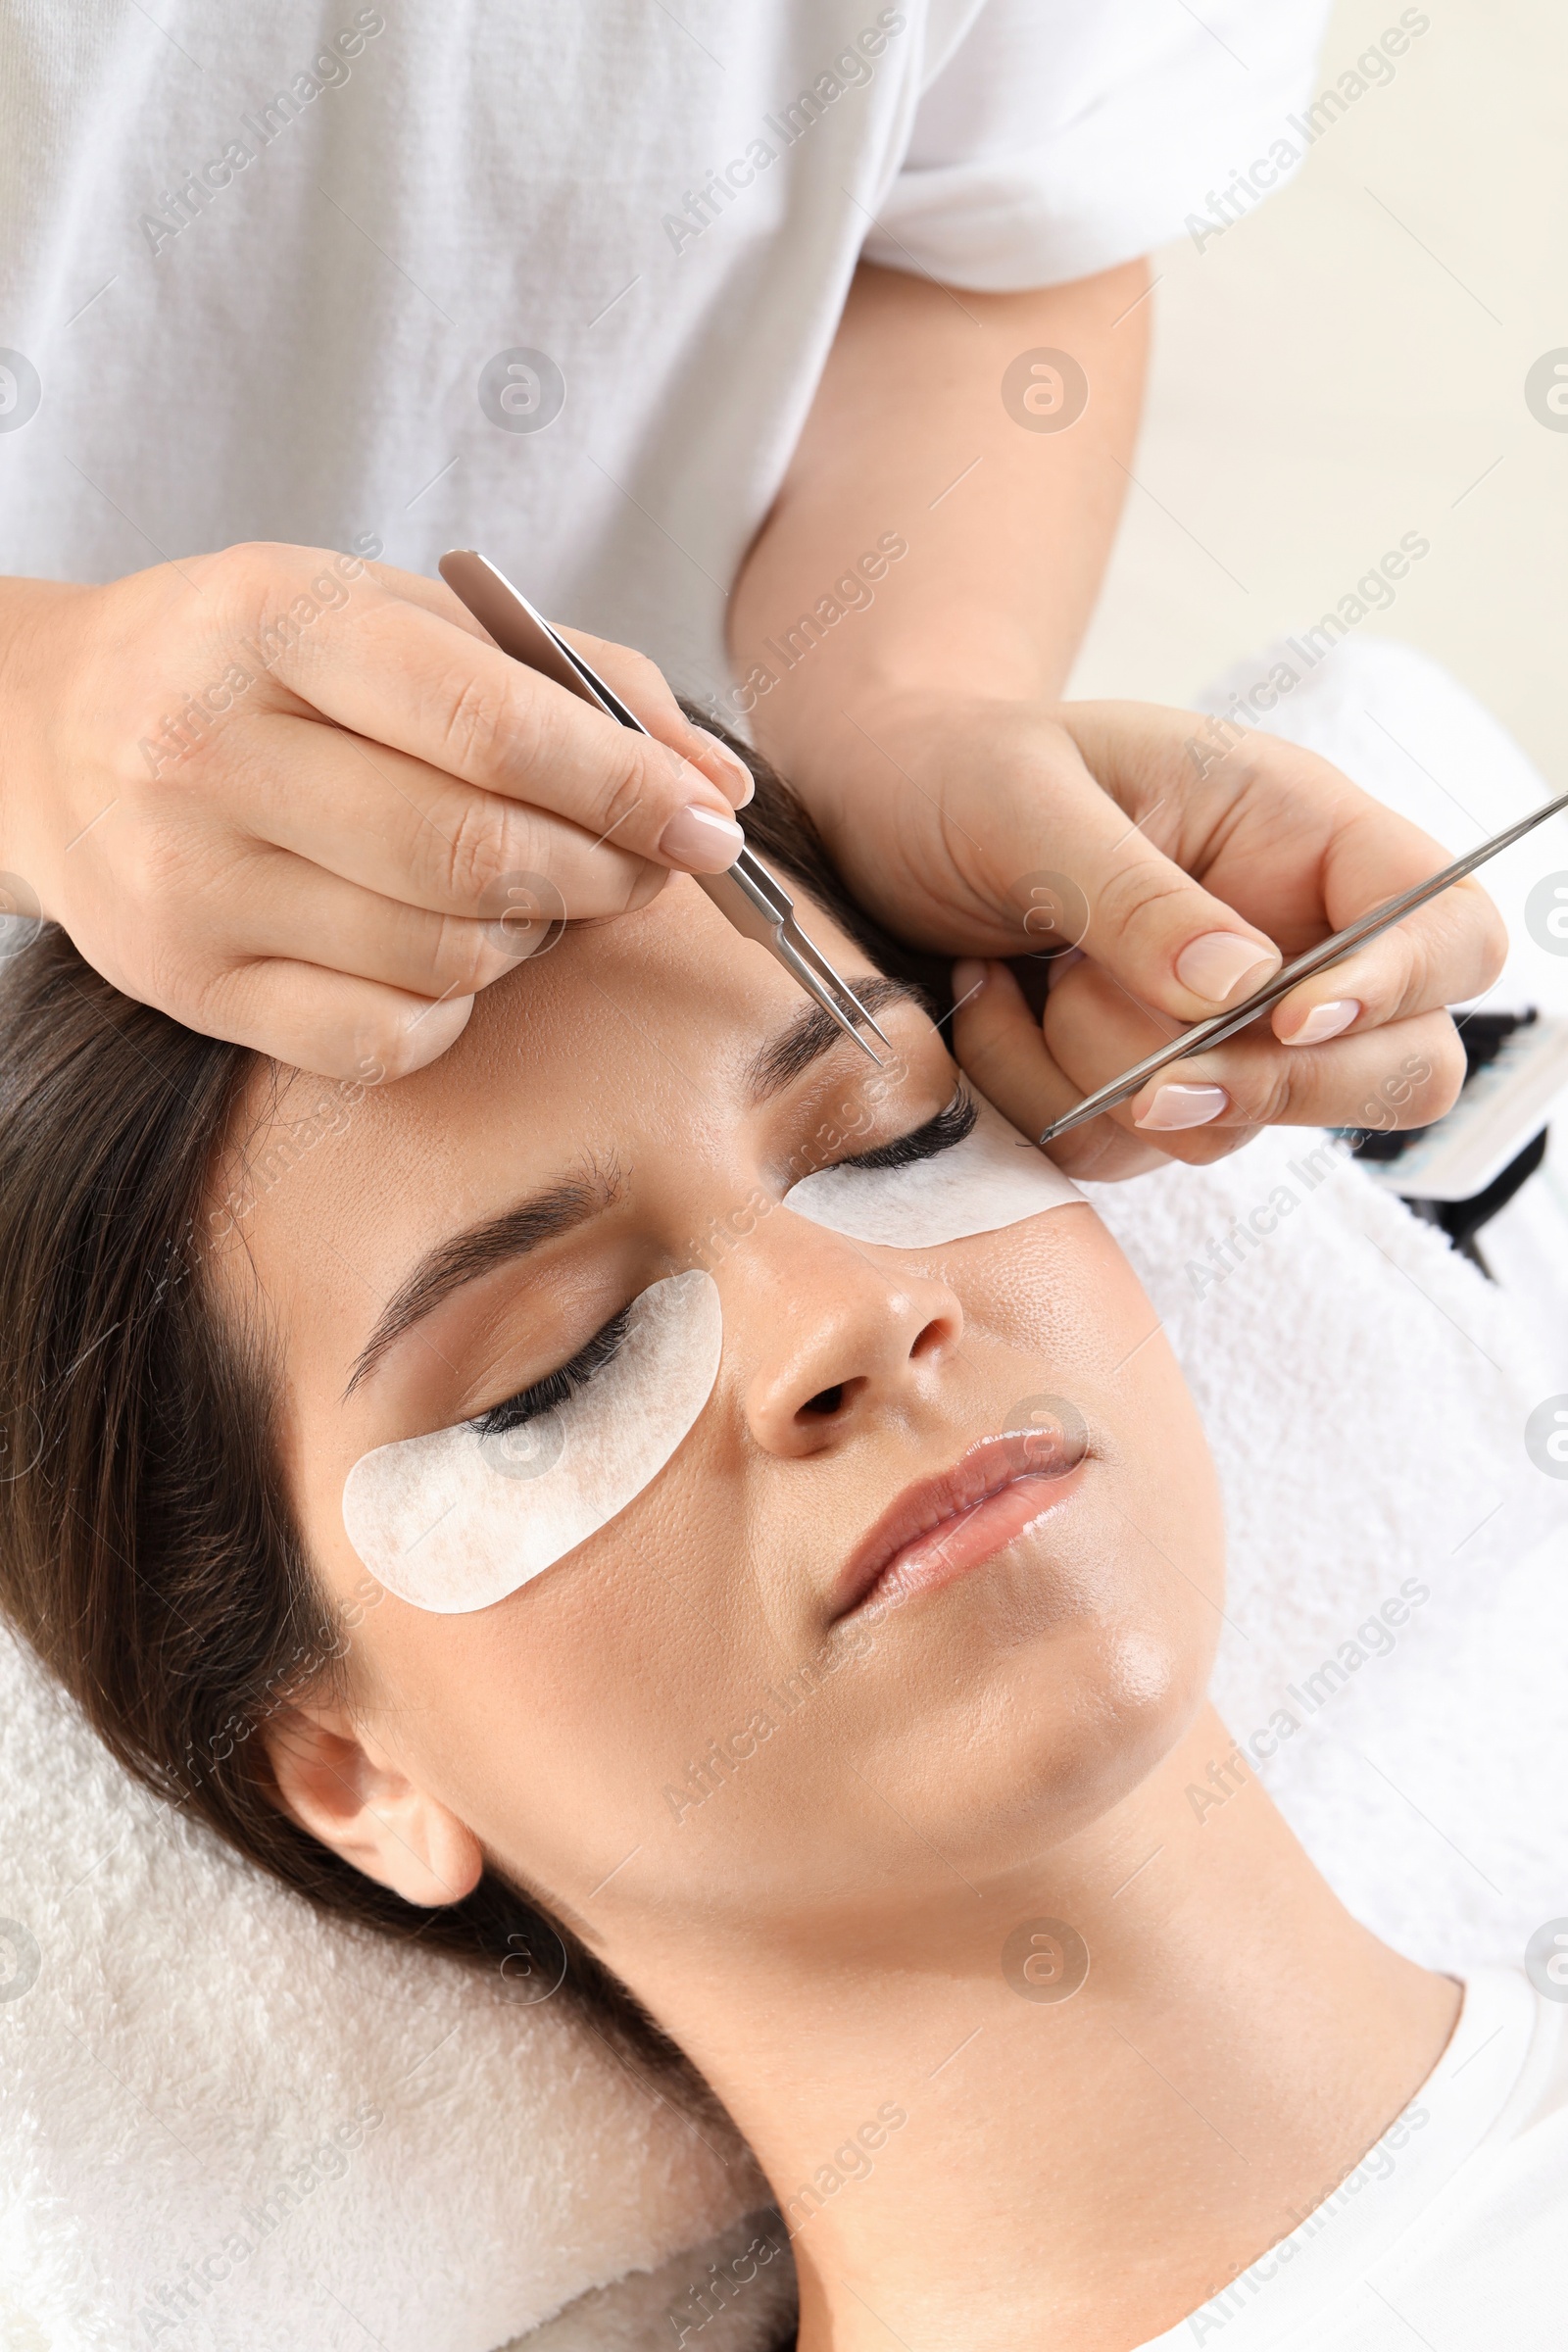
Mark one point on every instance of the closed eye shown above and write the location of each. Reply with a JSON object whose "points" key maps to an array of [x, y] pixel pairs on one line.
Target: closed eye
{"points": [[556, 1387], [950, 1127]]}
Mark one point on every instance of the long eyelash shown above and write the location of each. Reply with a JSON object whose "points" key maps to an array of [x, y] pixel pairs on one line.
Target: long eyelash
{"points": [[950, 1127], [556, 1387]]}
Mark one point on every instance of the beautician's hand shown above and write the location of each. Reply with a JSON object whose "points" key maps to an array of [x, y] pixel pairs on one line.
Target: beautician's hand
{"points": [[893, 673], [296, 800], [963, 816]]}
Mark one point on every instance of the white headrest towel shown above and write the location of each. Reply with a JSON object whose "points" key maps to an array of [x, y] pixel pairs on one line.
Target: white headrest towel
{"points": [[202, 2063], [415, 2161], [1366, 1391]]}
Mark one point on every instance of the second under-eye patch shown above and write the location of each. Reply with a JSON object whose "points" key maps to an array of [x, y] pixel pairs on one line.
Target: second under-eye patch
{"points": [[457, 1520], [994, 1178]]}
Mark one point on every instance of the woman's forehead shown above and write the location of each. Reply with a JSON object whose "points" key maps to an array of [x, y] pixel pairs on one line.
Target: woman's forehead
{"points": [[645, 1029], [665, 988]]}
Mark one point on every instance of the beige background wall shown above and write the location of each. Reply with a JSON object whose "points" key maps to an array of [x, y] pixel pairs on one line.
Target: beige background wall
{"points": [[1346, 363]]}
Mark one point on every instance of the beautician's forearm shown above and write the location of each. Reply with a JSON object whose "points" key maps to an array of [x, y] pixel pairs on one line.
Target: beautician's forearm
{"points": [[1007, 530]]}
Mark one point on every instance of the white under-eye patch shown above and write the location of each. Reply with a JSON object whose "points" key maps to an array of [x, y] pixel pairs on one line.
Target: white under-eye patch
{"points": [[457, 1520], [992, 1178]]}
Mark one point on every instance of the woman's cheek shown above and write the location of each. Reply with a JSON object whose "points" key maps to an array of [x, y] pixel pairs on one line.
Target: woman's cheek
{"points": [[1057, 1288]]}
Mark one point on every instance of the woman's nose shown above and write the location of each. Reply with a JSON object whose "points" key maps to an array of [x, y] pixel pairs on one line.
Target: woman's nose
{"points": [[847, 1334]]}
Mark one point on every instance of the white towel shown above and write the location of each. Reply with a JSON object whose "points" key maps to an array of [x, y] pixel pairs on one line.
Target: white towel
{"points": [[1429, 1785], [177, 2076], [195, 2038], [1366, 1393]]}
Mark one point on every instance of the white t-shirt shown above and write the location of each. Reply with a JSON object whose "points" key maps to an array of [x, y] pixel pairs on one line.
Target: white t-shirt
{"points": [[1453, 2231], [278, 272]]}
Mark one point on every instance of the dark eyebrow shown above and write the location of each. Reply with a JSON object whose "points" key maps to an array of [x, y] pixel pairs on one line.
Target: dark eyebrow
{"points": [[548, 1214], [813, 1033], [466, 1255]]}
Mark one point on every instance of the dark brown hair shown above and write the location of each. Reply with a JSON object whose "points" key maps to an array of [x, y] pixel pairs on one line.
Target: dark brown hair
{"points": [[147, 1551]]}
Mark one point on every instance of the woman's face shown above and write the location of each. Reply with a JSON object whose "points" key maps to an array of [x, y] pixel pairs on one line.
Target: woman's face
{"points": [[693, 1699]]}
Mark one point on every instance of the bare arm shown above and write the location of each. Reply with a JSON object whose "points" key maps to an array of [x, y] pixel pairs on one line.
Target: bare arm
{"points": [[1009, 527]]}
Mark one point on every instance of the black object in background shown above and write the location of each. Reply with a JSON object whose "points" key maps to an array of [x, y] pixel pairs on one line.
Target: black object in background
{"points": [[1481, 1035]]}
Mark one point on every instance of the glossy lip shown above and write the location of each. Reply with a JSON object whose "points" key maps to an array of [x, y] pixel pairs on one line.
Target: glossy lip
{"points": [[959, 1506]]}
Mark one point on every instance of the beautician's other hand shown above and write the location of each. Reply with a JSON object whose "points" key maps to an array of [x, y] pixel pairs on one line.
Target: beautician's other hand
{"points": [[300, 800], [963, 818]]}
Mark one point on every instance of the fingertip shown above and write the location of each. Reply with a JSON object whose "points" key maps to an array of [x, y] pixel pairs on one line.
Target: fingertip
{"points": [[1315, 1024], [994, 1032], [723, 767], [1217, 964], [1179, 1102], [423, 1034], [988, 1008], [700, 841], [998, 1042], [645, 884]]}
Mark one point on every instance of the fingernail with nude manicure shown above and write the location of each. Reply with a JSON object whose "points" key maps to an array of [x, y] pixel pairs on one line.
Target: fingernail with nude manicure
{"points": [[1324, 1021], [702, 841], [1216, 965], [737, 771], [967, 977], [1182, 1106]]}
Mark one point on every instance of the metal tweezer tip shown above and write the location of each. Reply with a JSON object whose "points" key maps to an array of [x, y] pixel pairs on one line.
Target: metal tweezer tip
{"points": [[830, 991]]}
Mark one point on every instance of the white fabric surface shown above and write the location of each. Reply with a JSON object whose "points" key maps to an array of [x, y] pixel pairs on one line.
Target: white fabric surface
{"points": [[1449, 2232], [1014, 177], [193, 2035], [300, 359], [1366, 1392], [1405, 730], [177, 2072]]}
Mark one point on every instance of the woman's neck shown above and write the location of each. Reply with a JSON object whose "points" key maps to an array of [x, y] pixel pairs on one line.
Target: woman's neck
{"points": [[963, 2157]]}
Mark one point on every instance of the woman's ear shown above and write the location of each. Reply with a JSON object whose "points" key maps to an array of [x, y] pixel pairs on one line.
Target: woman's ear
{"points": [[337, 1783]]}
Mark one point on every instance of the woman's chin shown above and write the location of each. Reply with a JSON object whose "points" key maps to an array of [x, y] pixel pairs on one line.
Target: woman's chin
{"points": [[1052, 1693]]}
